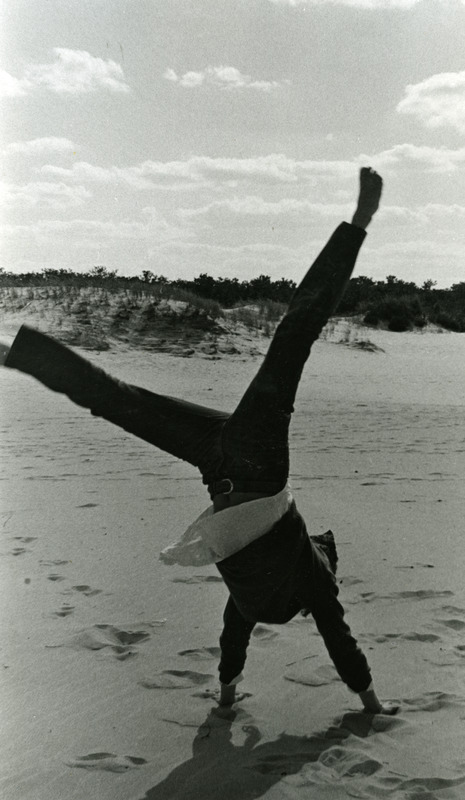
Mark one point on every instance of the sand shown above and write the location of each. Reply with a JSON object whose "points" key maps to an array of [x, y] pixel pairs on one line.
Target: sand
{"points": [[108, 657]]}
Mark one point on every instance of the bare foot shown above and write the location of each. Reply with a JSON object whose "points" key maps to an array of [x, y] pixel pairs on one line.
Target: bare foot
{"points": [[371, 186]]}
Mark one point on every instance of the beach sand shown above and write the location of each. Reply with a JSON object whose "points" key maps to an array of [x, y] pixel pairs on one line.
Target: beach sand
{"points": [[108, 657]]}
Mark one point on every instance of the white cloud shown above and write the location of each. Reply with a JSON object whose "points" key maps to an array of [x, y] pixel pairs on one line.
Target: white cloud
{"points": [[203, 170], [438, 101], [10, 86], [72, 72], [170, 75], [40, 146], [82, 171], [432, 159], [154, 229], [437, 214], [257, 206], [224, 77], [55, 196]]}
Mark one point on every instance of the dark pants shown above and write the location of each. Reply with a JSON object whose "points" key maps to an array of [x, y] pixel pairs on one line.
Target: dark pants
{"points": [[250, 446]]}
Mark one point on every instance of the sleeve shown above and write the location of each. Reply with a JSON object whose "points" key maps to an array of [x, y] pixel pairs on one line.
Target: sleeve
{"points": [[347, 657], [234, 641]]}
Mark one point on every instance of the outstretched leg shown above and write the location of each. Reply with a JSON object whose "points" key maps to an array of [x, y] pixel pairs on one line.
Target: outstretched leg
{"points": [[186, 430], [255, 437]]}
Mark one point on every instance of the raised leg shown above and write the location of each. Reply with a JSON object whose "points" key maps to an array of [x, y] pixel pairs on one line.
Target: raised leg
{"points": [[255, 438]]}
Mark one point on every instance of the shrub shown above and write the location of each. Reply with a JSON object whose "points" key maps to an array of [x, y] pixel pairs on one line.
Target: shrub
{"points": [[399, 323], [271, 310], [371, 318], [246, 316], [399, 313], [210, 307], [448, 322]]}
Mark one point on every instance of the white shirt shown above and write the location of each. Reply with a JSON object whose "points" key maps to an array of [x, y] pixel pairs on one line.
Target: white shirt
{"points": [[213, 537]]}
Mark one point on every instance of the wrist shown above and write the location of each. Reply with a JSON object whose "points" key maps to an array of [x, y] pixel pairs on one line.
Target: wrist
{"points": [[227, 694], [370, 701]]}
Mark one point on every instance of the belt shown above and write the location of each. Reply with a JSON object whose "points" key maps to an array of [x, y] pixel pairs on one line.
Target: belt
{"points": [[226, 486]]}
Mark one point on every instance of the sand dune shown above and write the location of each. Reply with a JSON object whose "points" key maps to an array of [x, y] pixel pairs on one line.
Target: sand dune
{"points": [[109, 657]]}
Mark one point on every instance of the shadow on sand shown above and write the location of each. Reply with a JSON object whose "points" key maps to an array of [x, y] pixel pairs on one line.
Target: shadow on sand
{"points": [[220, 769]]}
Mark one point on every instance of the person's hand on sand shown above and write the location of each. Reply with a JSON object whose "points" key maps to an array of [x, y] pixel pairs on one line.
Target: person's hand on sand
{"points": [[389, 709], [227, 695], [371, 186], [372, 705]]}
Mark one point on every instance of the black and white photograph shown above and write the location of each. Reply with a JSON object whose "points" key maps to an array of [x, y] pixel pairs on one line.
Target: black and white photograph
{"points": [[232, 396]]}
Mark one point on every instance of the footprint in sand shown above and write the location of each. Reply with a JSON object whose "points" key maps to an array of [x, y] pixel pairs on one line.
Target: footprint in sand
{"points": [[176, 679], [321, 676], [350, 580], [420, 637], [456, 610], [19, 551], [445, 658], [107, 762], [201, 653], [264, 634], [454, 624], [419, 594], [362, 725], [119, 641], [381, 638], [64, 611], [199, 579], [433, 701], [5, 517], [25, 539], [86, 590]]}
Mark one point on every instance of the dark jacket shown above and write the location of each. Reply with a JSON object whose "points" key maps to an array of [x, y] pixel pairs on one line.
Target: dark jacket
{"points": [[271, 579]]}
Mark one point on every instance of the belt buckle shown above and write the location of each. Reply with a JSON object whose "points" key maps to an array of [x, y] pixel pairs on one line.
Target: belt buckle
{"points": [[231, 485]]}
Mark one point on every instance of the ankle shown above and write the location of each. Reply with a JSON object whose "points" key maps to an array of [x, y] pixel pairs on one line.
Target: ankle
{"points": [[362, 218]]}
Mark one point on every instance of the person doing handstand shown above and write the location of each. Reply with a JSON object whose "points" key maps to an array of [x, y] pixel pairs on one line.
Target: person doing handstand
{"points": [[253, 532]]}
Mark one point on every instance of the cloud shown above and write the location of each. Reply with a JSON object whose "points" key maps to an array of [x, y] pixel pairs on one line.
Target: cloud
{"points": [[370, 4], [40, 146], [223, 77], [10, 86], [43, 195], [72, 72], [438, 101], [82, 171], [154, 229], [257, 206], [206, 171], [431, 159]]}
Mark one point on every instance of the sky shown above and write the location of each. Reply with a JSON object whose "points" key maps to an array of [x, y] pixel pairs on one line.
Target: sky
{"points": [[225, 136]]}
